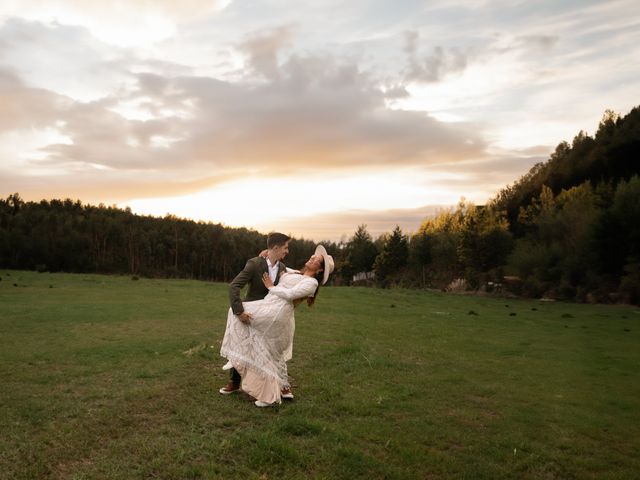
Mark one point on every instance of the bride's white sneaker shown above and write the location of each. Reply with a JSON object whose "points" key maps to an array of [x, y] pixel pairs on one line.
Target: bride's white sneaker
{"points": [[258, 403]]}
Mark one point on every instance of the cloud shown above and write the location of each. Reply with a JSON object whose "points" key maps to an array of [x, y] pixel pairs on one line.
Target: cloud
{"points": [[182, 9], [62, 147], [395, 91], [24, 107], [434, 67], [65, 59], [262, 49], [318, 111], [540, 42], [312, 113], [142, 22]]}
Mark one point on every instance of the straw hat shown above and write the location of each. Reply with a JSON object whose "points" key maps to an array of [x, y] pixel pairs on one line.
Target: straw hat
{"points": [[328, 262]]}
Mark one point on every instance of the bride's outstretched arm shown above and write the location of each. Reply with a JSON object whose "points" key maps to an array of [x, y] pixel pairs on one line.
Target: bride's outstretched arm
{"points": [[303, 289]]}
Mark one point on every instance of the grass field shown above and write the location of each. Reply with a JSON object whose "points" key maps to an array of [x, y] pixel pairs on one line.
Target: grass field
{"points": [[110, 378]]}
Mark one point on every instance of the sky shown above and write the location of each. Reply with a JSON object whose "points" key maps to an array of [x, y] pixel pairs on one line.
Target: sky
{"points": [[306, 117]]}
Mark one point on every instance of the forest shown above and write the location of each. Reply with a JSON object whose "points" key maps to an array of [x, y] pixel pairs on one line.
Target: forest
{"points": [[568, 229]]}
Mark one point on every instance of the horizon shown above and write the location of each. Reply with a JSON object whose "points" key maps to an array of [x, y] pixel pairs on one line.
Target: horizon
{"points": [[379, 224], [309, 120]]}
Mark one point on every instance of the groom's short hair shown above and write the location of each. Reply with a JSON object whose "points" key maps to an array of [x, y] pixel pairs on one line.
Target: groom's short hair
{"points": [[276, 239]]}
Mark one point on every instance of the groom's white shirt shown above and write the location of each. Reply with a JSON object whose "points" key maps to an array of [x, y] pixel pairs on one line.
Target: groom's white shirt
{"points": [[273, 270]]}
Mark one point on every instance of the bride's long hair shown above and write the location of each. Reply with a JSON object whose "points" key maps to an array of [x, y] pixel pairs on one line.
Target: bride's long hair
{"points": [[318, 276]]}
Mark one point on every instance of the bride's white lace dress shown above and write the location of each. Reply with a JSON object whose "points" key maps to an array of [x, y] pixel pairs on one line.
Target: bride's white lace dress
{"points": [[259, 350]]}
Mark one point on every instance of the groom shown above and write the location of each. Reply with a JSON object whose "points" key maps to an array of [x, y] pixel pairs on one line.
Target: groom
{"points": [[251, 274]]}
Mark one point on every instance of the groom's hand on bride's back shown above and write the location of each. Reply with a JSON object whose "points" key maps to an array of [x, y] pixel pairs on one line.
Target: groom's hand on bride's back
{"points": [[244, 317]]}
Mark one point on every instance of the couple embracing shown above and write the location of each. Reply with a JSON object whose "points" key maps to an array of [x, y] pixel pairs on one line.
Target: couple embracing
{"points": [[258, 340]]}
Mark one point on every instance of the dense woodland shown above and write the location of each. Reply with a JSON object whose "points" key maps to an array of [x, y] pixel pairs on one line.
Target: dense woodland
{"points": [[568, 229]]}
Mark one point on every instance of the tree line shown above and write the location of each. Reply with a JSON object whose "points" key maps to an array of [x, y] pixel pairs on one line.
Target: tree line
{"points": [[65, 235], [568, 229]]}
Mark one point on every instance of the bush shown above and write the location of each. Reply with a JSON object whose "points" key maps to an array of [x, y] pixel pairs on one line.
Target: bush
{"points": [[535, 288], [472, 279], [566, 290], [526, 258], [458, 285], [630, 284]]}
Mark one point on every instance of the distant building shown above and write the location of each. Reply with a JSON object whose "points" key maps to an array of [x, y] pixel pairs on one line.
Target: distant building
{"points": [[363, 276]]}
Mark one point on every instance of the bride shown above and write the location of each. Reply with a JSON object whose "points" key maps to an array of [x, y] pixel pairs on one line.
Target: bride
{"points": [[260, 349]]}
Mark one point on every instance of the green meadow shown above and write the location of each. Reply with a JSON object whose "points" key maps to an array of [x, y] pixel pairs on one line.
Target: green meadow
{"points": [[106, 377]]}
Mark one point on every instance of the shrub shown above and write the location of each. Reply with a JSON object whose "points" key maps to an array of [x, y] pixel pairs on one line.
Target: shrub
{"points": [[630, 284], [458, 285]]}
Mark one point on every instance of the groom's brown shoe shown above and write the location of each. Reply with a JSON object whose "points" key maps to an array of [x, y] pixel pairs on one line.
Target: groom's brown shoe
{"points": [[230, 388], [286, 393]]}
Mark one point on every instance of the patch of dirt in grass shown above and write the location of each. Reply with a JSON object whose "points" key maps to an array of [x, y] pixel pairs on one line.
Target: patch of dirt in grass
{"points": [[198, 348]]}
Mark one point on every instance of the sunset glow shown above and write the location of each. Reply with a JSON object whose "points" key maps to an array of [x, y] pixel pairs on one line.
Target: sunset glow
{"points": [[298, 197]]}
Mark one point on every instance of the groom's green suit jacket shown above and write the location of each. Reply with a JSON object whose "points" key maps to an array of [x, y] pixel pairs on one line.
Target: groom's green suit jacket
{"points": [[251, 274]]}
